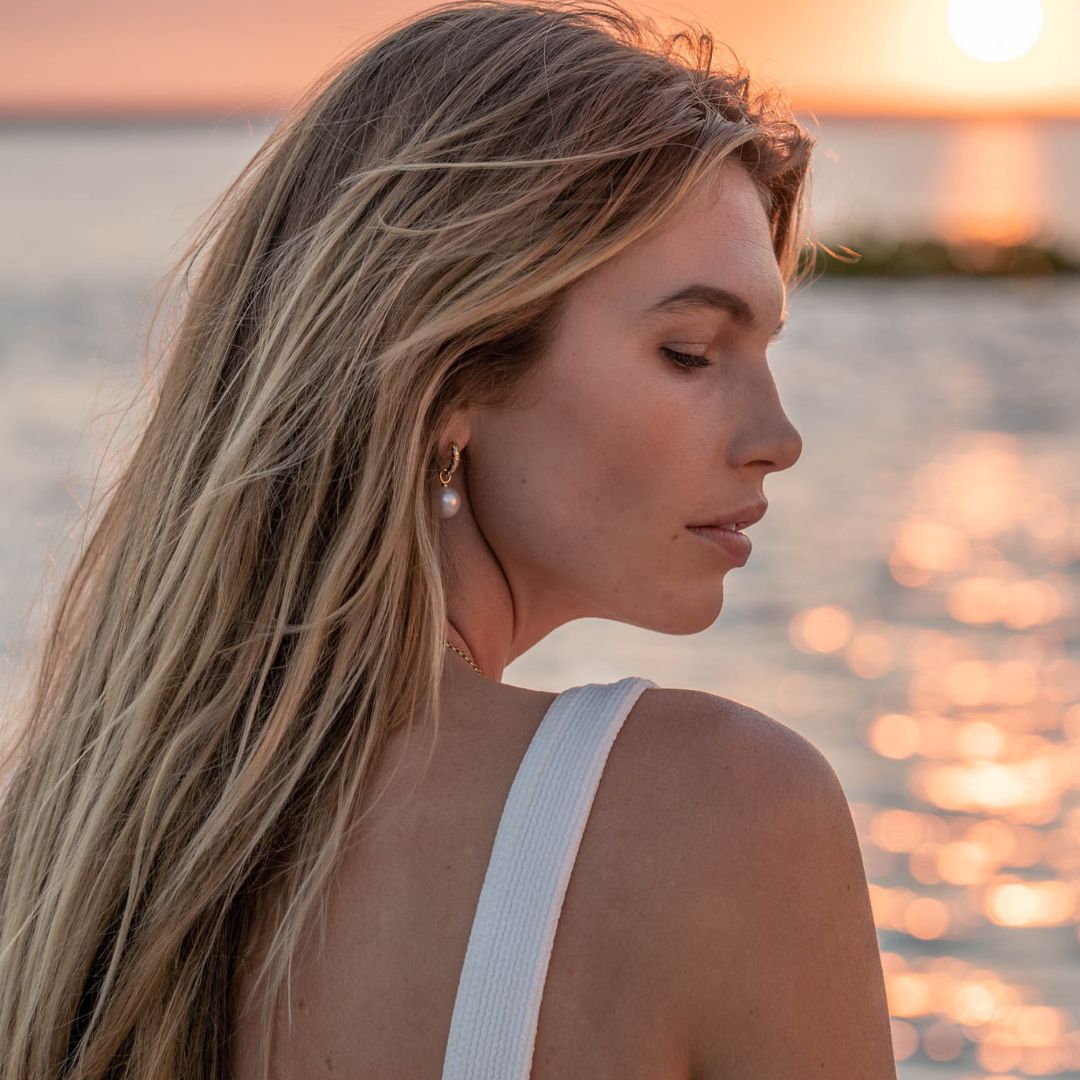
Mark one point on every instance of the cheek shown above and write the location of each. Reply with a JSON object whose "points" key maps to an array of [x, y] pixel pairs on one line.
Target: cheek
{"points": [[658, 447], [641, 475], [614, 454], [600, 477]]}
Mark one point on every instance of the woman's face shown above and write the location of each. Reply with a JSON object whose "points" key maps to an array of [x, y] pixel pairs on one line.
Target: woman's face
{"points": [[583, 492]]}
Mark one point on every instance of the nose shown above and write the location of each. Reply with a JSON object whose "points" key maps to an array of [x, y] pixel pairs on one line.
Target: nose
{"points": [[789, 444], [768, 437]]}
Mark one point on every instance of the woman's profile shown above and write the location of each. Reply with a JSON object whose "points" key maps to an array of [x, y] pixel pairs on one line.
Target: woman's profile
{"points": [[475, 346]]}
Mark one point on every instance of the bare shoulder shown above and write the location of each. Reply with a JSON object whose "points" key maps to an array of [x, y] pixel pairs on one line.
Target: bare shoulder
{"points": [[773, 933], [735, 757], [743, 791]]}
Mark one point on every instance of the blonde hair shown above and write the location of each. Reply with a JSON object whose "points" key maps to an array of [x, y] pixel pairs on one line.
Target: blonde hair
{"points": [[260, 602]]}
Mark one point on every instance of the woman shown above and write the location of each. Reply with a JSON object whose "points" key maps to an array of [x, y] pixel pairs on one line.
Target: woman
{"points": [[475, 346]]}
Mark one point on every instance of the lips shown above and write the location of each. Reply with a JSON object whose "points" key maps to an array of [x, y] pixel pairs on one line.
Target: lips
{"points": [[741, 519], [735, 544]]}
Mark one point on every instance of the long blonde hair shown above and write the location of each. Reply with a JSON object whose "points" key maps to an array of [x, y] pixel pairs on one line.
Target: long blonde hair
{"points": [[260, 600]]}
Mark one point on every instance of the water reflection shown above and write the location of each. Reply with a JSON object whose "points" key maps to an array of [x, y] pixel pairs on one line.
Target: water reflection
{"points": [[986, 733], [992, 187], [993, 181]]}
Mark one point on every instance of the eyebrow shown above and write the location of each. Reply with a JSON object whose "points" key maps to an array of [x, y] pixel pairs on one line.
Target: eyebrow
{"points": [[711, 296]]}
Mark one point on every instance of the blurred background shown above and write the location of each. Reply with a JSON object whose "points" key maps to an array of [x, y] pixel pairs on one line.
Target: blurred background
{"points": [[911, 602]]}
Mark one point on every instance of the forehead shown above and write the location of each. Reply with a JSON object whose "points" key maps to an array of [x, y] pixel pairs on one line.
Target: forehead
{"points": [[718, 234], [725, 207]]}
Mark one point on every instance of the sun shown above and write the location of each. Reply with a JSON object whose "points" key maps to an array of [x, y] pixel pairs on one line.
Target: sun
{"points": [[995, 30]]}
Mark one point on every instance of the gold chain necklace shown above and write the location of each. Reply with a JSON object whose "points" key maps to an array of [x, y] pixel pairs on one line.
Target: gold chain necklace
{"points": [[449, 645]]}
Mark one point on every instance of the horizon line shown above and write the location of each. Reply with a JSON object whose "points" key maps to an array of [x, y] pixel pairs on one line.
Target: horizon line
{"points": [[248, 113]]}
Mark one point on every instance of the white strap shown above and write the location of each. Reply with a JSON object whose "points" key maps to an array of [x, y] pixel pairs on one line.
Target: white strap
{"points": [[493, 1028]]}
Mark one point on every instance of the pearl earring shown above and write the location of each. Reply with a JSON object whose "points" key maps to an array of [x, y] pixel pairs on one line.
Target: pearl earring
{"points": [[449, 500]]}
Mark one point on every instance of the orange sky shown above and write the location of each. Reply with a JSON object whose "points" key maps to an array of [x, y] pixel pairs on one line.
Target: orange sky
{"points": [[861, 56]]}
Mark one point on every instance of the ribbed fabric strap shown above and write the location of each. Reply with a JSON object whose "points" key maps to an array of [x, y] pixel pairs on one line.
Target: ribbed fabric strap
{"points": [[493, 1028]]}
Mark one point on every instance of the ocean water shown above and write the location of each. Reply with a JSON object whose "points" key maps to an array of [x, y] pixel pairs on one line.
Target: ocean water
{"points": [[1001, 180], [911, 604]]}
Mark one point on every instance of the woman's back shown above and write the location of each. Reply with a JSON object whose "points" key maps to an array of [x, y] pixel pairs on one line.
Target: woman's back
{"points": [[658, 867]]}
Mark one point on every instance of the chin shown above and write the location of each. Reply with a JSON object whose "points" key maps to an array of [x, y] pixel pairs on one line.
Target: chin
{"points": [[688, 618]]}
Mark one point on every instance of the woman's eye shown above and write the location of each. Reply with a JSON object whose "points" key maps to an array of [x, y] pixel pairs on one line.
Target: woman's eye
{"points": [[685, 359]]}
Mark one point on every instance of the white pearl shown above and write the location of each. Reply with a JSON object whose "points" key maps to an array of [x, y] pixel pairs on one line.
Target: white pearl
{"points": [[449, 502]]}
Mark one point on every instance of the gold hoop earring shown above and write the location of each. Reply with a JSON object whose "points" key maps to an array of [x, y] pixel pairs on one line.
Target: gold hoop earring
{"points": [[449, 501]]}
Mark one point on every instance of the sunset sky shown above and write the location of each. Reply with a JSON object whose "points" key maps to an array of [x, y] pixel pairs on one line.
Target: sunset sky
{"points": [[851, 56]]}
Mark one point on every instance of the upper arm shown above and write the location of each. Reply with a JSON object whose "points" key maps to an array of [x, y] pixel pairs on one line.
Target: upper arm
{"points": [[784, 971]]}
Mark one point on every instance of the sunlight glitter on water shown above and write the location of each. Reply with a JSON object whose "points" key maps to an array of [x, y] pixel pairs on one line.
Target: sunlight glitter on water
{"points": [[986, 728]]}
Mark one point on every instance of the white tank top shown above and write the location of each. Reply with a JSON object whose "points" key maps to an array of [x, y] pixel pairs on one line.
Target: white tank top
{"points": [[493, 1028]]}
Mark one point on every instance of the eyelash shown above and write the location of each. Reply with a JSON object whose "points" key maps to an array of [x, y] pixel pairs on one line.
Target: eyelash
{"points": [[685, 360]]}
